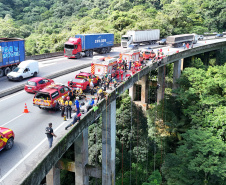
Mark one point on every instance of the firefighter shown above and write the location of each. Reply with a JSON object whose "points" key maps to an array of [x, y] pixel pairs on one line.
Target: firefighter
{"points": [[77, 106], [76, 119], [125, 65], [91, 87], [62, 107], [100, 94], [114, 82], [71, 83], [121, 73], [68, 105], [71, 95]]}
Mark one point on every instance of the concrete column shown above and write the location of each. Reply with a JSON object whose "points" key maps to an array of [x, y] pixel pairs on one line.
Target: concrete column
{"points": [[220, 56], [206, 58], [53, 177], [132, 92], [176, 73], [144, 89], [81, 158], [108, 144], [161, 78]]}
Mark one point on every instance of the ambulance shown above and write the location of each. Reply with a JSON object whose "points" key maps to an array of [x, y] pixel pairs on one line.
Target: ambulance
{"points": [[103, 65]]}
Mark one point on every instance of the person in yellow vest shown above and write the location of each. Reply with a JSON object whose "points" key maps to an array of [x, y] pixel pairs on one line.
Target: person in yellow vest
{"points": [[68, 108], [62, 106], [100, 94]]}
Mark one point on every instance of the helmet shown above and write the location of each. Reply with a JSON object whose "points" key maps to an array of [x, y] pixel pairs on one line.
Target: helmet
{"points": [[62, 97], [71, 80], [68, 98], [93, 97], [77, 98], [102, 87]]}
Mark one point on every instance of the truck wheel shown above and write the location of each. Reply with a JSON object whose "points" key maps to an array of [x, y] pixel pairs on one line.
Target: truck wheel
{"points": [[103, 50], [35, 74], [87, 53], [78, 56], [90, 53], [1, 73], [9, 143], [7, 70], [20, 78], [109, 49]]}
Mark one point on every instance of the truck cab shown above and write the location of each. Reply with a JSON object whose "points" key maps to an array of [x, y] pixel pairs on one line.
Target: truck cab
{"points": [[126, 40], [73, 47]]}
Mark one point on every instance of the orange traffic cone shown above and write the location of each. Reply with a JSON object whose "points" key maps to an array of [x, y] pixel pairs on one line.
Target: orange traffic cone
{"points": [[25, 109]]}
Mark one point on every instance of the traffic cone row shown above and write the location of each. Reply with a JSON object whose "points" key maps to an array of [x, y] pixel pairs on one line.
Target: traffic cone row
{"points": [[25, 109]]}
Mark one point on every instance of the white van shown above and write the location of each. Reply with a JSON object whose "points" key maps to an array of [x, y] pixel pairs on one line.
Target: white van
{"points": [[25, 69]]}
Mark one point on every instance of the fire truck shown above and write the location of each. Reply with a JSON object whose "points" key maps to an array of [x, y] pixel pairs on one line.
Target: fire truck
{"points": [[135, 56], [6, 138], [104, 65]]}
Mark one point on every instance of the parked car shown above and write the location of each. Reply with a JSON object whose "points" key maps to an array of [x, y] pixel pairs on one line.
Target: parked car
{"points": [[200, 37], [35, 84], [6, 138], [133, 46], [162, 42], [219, 35]]}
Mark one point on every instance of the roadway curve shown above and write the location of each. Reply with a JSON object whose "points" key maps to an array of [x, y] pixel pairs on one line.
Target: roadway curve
{"points": [[30, 138]]}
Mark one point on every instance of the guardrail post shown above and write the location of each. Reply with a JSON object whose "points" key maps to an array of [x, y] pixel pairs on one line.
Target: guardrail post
{"points": [[81, 158], [108, 144], [206, 58], [53, 177], [132, 92], [176, 72]]}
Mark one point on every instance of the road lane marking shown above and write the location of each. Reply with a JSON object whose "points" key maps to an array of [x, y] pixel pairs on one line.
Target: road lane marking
{"points": [[10, 96], [22, 160], [12, 120]]}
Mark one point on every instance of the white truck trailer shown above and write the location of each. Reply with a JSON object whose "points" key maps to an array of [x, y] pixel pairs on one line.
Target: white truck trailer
{"points": [[140, 36]]}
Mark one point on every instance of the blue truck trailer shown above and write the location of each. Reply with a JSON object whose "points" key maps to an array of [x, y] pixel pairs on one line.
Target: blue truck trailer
{"points": [[86, 44], [12, 52]]}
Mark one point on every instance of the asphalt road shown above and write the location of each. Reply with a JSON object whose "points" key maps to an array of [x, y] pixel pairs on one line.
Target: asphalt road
{"points": [[30, 139]]}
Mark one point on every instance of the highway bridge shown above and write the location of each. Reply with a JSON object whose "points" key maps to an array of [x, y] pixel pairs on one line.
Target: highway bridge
{"points": [[30, 160]]}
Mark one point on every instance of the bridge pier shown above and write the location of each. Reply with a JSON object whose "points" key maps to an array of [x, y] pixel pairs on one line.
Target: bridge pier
{"points": [[108, 144], [81, 158], [178, 67], [220, 56], [206, 58], [144, 92], [53, 177], [161, 81]]}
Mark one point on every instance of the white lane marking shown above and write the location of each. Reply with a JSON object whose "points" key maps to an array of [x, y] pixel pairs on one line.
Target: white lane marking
{"points": [[46, 64], [22, 160], [12, 95], [12, 120]]}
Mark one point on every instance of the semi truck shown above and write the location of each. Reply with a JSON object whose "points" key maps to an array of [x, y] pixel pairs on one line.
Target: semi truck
{"points": [[140, 36], [86, 44], [12, 52], [178, 40]]}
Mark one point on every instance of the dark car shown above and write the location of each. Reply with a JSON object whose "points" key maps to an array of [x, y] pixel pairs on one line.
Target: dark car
{"points": [[162, 42], [219, 35], [133, 46]]}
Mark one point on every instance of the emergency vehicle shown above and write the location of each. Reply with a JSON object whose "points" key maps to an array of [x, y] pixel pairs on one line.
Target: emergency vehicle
{"points": [[48, 97], [148, 54], [103, 66], [82, 81], [6, 138], [131, 56]]}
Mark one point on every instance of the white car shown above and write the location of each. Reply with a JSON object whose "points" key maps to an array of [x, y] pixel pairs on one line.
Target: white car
{"points": [[201, 37]]}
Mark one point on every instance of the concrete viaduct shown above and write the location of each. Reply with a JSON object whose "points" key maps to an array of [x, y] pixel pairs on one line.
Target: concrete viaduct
{"points": [[51, 163]]}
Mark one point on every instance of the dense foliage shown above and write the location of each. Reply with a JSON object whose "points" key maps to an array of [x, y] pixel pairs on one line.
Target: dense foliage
{"points": [[46, 25]]}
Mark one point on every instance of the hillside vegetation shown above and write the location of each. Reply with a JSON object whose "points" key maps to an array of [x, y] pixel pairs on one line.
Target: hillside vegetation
{"points": [[46, 25]]}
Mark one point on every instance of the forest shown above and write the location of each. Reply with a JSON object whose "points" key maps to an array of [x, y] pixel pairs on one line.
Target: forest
{"points": [[46, 25]]}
